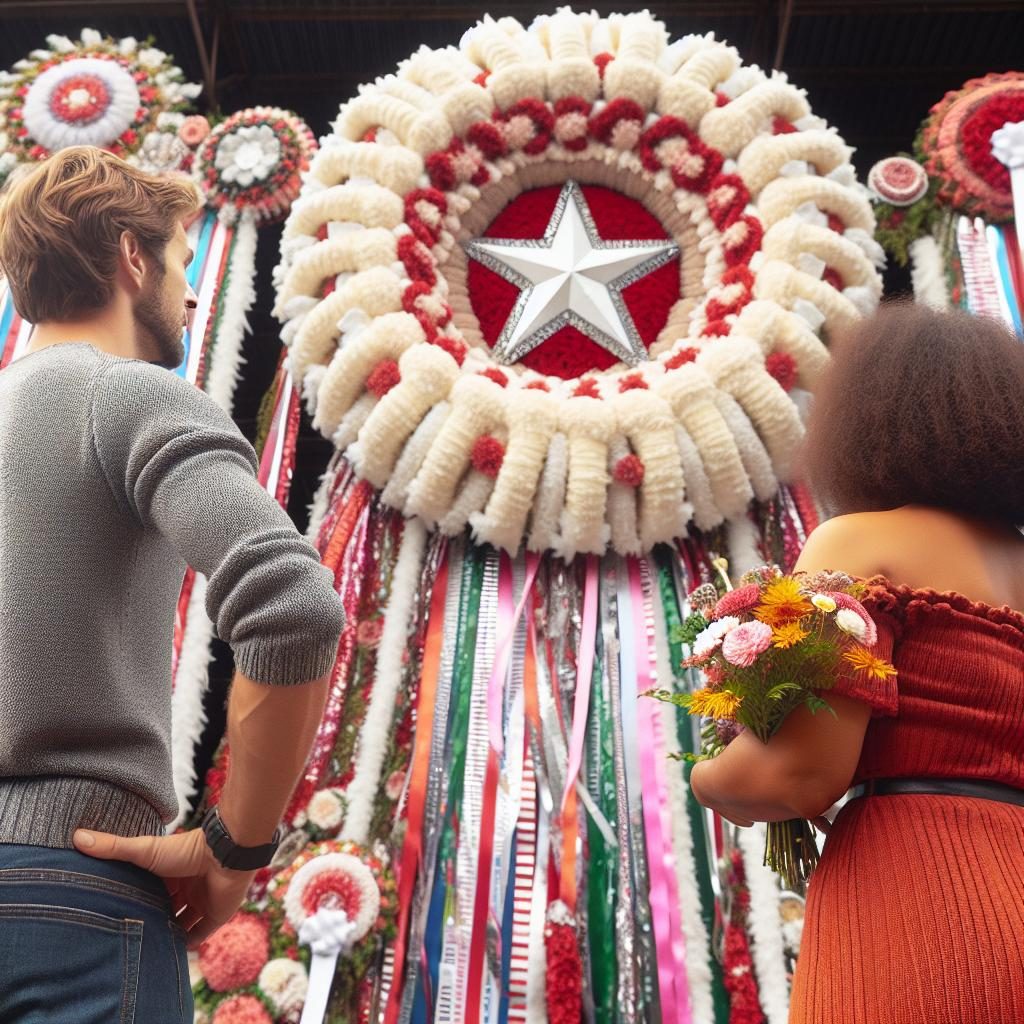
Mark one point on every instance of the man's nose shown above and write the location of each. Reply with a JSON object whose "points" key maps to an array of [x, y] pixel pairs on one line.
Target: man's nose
{"points": [[191, 299]]}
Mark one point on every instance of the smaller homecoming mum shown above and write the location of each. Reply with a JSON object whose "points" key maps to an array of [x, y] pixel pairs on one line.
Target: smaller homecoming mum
{"points": [[916, 443]]}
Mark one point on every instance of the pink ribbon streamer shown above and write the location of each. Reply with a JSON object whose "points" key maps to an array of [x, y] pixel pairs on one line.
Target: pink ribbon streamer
{"points": [[664, 886], [509, 620], [584, 675]]}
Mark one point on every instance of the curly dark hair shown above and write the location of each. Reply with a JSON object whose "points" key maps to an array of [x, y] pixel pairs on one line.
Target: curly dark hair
{"points": [[921, 407]]}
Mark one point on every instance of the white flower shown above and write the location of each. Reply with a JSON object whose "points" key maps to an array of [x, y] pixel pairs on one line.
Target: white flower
{"points": [[90, 37], [326, 810], [850, 622], [711, 637], [161, 152], [61, 44], [284, 982], [128, 45], [823, 603], [248, 154], [151, 57]]}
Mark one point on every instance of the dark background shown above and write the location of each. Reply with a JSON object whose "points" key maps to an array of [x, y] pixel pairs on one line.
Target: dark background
{"points": [[872, 69]]}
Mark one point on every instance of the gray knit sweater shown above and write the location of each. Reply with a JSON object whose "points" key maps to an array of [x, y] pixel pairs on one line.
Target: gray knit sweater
{"points": [[113, 475]]}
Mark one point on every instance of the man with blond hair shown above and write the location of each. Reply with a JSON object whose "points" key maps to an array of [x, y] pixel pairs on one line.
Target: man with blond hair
{"points": [[115, 474]]}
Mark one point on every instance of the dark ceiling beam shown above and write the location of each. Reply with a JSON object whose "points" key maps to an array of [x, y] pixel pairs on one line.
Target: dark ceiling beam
{"points": [[56, 8]]}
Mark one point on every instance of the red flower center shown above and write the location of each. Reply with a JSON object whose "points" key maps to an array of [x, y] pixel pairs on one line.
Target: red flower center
{"points": [[80, 99]]}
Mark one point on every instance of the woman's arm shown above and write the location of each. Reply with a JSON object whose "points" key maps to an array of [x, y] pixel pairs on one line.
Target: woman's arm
{"points": [[799, 773], [810, 762]]}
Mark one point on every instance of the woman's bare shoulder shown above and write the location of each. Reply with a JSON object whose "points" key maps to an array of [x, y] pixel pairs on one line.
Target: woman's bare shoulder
{"points": [[863, 543]]}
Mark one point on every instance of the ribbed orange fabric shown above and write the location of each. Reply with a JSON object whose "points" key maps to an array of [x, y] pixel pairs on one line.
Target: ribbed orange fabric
{"points": [[915, 914]]}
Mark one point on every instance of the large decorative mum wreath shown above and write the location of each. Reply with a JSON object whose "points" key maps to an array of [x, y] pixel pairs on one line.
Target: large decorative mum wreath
{"points": [[116, 94], [955, 144], [391, 323]]}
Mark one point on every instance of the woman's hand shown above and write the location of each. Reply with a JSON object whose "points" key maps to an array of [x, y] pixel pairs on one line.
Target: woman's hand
{"points": [[203, 894]]}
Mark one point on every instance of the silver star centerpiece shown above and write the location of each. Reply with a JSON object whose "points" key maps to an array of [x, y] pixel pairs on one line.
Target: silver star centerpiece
{"points": [[571, 276]]}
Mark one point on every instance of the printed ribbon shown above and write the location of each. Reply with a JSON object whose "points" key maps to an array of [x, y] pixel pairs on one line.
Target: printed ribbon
{"points": [[664, 888], [413, 846]]}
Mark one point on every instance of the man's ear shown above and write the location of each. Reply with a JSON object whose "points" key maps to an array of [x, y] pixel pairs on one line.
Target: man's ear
{"points": [[131, 259]]}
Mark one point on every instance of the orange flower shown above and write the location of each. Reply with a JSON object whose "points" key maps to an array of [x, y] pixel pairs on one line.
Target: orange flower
{"points": [[714, 703], [864, 661], [782, 603], [788, 635]]}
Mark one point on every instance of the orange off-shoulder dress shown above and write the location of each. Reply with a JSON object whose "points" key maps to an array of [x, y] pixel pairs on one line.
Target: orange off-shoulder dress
{"points": [[915, 914]]}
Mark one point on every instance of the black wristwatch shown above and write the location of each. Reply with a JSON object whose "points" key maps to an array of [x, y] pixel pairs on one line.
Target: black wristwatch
{"points": [[228, 853]]}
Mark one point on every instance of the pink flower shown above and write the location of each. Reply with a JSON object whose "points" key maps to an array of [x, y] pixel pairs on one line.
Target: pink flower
{"points": [[368, 633], [234, 955], [743, 644], [242, 1010], [736, 602], [393, 787], [842, 600], [193, 130]]}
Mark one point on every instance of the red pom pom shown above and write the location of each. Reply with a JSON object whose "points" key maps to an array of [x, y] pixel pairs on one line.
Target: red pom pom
{"points": [[451, 345], [481, 79], [632, 382], [487, 137], [629, 470], [428, 234], [836, 223], [742, 239], [417, 260], [602, 60], [370, 135], [681, 358], [493, 373], [727, 197], [383, 377], [716, 329], [543, 123], [488, 455], [537, 385], [721, 99], [573, 105], [782, 366], [780, 126], [441, 171], [603, 124], [587, 388]]}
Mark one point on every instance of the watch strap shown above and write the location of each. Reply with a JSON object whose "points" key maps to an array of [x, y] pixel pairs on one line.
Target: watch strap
{"points": [[230, 854]]}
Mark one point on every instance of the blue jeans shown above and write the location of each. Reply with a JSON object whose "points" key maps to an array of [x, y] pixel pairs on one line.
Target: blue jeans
{"points": [[86, 941]]}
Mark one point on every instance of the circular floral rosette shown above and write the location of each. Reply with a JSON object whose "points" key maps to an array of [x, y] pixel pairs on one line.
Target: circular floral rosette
{"points": [[955, 144], [405, 323], [904, 200], [253, 162], [116, 94]]}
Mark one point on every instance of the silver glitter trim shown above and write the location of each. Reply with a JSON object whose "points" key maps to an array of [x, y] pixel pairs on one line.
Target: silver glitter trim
{"points": [[633, 354]]}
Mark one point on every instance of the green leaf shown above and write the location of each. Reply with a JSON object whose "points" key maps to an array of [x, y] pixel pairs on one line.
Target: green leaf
{"points": [[780, 690], [688, 631], [814, 704]]}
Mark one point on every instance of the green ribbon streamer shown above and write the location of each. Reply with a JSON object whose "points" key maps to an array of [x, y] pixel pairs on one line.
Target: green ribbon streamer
{"points": [[602, 890], [670, 602]]}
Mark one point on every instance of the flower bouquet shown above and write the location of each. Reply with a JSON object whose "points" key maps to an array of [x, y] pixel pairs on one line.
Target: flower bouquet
{"points": [[766, 648]]}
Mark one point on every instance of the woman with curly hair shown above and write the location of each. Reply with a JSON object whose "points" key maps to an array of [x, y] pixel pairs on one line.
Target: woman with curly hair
{"points": [[915, 912]]}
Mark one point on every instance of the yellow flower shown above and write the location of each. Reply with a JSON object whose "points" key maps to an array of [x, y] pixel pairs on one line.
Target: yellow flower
{"points": [[714, 703], [782, 602], [864, 661], [823, 603], [788, 635]]}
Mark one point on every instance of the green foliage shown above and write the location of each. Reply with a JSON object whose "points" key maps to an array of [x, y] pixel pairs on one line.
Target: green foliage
{"points": [[689, 630]]}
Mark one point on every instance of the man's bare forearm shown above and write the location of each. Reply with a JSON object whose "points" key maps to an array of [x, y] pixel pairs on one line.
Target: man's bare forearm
{"points": [[270, 732]]}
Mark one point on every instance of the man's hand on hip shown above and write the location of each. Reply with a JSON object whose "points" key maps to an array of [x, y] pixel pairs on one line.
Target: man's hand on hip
{"points": [[204, 895]]}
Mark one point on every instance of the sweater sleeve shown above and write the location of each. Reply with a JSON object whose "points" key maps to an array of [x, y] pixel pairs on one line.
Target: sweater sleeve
{"points": [[176, 462]]}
